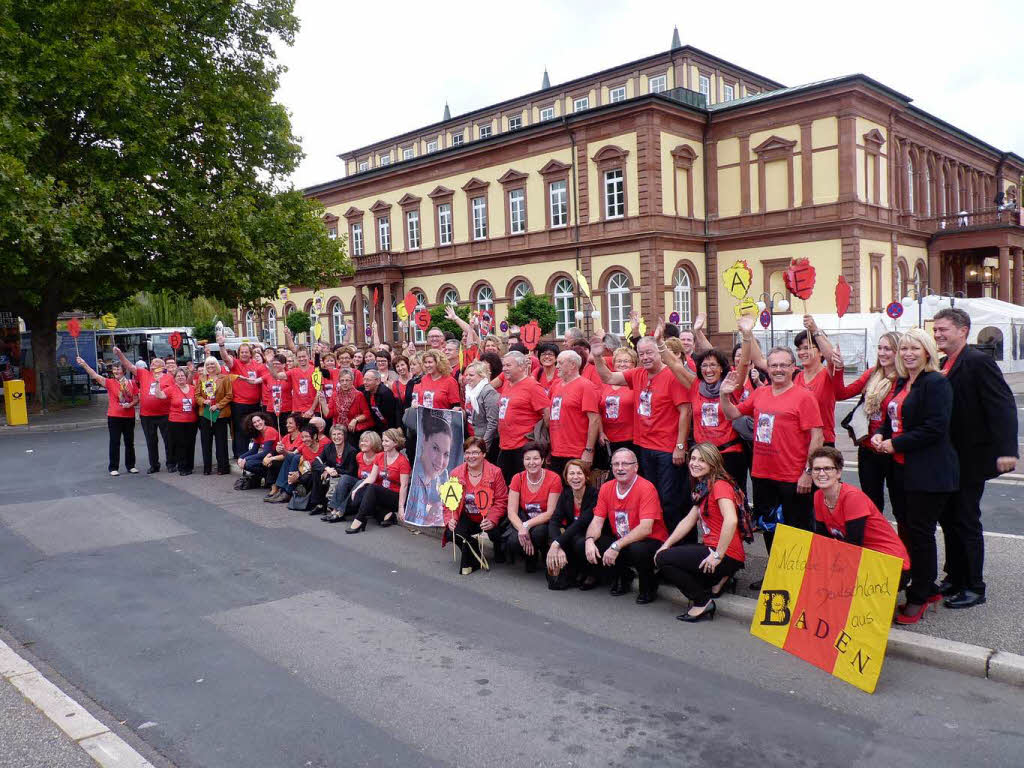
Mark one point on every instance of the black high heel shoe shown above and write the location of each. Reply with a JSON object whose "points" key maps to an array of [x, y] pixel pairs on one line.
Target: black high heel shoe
{"points": [[730, 585], [708, 614]]}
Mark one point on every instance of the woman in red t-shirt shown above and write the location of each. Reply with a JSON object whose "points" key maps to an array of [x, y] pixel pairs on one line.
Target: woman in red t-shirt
{"points": [[274, 459], [263, 439], [700, 571], [182, 420], [617, 403], [532, 496], [710, 425], [122, 396], [483, 505], [437, 389], [387, 484]]}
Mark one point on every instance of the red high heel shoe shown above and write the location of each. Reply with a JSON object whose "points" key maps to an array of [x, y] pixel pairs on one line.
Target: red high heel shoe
{"points": [[905, 617]]}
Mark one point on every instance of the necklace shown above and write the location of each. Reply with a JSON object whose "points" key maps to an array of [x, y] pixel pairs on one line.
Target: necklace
{"points": [[831, 503], [531, 481]]}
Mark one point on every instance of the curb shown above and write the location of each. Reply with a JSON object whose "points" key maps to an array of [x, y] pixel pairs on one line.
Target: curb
{"points": [[101, 744], [70, 426]]}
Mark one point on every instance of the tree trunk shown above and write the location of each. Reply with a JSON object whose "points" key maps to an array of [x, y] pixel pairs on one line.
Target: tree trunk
{"points": [[43, 325]]}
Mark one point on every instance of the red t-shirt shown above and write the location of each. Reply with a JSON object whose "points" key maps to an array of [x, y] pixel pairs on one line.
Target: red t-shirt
{"points": [[710, 425], [533, 503], [442, 393], [398, 389], [894, 410], [825, 394], [854, 504], [268, 435], [617, 413], [292, 440], [390, 475], [589, 372], [520, 407], [547, 384], [364, 466], [782, 425], [149, 403], [570, 404], [656, 421], [246, 389], [303, 393], [120, 397], [277, 393], [712, 520], [641, 503], [183, 404]]}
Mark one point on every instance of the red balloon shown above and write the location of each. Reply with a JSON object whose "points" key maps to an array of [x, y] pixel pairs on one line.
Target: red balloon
{"points": [[74, 327], [423, 319], [529, 334], [175, 341]]}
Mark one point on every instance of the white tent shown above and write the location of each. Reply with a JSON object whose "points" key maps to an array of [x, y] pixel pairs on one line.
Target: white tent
{"points": [[992, 322]]}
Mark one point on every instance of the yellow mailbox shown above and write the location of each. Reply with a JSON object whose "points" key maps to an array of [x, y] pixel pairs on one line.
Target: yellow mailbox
{"points": [[14, 402]]}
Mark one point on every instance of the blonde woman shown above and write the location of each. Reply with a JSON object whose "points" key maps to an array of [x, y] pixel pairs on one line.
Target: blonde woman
{"points": [[437, 388], [213, 398]]}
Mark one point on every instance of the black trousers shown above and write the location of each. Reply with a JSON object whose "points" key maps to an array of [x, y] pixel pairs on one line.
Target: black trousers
{"points": [[539, 537], [510, 462], [465, 539], [963, 534], [579, 550], [239, 439], [557, 463], [121, 428], [638, 556], [680, 565], [209, 433], [797, 508], [154, 427], [378, 501], [736, 465], [183, 444], [924, 510], [576, 561]]}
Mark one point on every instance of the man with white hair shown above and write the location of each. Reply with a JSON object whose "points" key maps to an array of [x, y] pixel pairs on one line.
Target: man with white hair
{"points": [[382, 403], [661, 423], [572, 335], [637, 528], [574, 422], [521, 406]]}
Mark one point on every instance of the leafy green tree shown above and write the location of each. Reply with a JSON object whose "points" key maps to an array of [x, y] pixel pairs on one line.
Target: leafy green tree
{"points": [[204, 331], [534, 307], [141, 149], [169, 309], [438, 320], [297, 322]]}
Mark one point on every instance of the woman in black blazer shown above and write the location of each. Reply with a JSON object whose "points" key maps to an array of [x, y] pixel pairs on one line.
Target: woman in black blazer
{"points": [[916, 433], [567, 531]]}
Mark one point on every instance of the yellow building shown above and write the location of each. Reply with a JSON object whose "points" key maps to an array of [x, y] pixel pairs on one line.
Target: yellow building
{"points": [[651, 178]]}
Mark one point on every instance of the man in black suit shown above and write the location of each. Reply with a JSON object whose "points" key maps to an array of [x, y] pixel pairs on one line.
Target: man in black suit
{"points": [[984, 432], [383, 406]]}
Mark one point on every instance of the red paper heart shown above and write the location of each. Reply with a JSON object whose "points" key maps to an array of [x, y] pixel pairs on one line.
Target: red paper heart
{"points": [[842, 296], [799, 278]]}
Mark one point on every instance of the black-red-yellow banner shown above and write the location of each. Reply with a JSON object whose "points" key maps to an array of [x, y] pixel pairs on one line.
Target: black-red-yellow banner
{"points": [[828, 602]]}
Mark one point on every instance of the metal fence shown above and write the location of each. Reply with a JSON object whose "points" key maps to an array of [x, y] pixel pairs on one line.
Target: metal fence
{"points": [[75, 387], [852, 343]]}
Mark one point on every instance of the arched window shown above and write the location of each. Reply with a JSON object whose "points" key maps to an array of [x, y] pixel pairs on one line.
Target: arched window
{"points": [[920, 281], [620, 302], [450, 297], [271, 327], [484, 298], [250, 323], [337, 320], [910, 185], [927, 190], [421, 303], [901, 282], [682, 298], [565, 307], [519, 290]]}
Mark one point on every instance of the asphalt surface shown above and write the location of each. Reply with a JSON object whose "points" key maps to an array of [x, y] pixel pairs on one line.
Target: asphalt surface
{"points": [[228, 632]]}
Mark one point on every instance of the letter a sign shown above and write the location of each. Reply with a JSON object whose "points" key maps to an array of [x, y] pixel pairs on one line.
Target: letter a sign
{"points": [[828, 602]]}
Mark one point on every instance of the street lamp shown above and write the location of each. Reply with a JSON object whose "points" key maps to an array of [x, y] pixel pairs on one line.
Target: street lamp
{"points": [[919, 298], [767, 301]]}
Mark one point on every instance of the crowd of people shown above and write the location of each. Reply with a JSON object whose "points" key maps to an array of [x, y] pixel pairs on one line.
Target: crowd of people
{"points": [[605, 460]]}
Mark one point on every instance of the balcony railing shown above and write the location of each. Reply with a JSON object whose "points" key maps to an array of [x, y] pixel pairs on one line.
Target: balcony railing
{"points": [[987, 217], [376, 260]]}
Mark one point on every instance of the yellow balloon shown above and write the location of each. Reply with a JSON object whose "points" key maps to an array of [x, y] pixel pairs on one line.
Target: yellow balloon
{"points": [[451, 493]]}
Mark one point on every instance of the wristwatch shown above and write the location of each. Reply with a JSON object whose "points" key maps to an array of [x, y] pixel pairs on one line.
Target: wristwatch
{"points": [[615, 546], [680, 446]]}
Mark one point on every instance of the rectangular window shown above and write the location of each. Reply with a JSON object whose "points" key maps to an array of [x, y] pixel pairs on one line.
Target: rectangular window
{"points": [[578, 105], [517, 211], [457, 140], [515, 123], [614, 195], [412, 229], [332, 233], [485, 131], [408, 153], [364, 166], [479, 218], [728, 93], [431, 146], [385, 160], [558, 193], [548, 113], [444, 224], [657, 84], [617, 94], [383, 234], [357, 239], [705, 86]]}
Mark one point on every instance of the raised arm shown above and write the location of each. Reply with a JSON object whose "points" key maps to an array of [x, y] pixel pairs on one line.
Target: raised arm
{"points": [[92, 374], [729, 385], [289, 340], [745, 324], [225, 353], [607, 375], [125, 362], [819, 339], [679, 368], [449, 313], [700, 341]]}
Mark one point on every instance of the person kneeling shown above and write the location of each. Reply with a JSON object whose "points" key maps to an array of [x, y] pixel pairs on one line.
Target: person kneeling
{"points": [[701, 571], [482, 509], [567, 564], [630, 505], [390, 471], [532, 496]]}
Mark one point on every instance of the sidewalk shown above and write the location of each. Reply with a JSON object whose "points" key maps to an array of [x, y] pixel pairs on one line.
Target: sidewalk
{"points": [[85, 415], [29, 739]]}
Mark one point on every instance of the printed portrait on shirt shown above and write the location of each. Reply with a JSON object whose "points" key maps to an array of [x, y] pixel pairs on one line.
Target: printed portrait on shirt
{"points": [[765, 427]]}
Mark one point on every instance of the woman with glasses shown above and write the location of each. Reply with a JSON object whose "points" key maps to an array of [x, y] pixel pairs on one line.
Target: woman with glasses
{"points": [[482, 509]]}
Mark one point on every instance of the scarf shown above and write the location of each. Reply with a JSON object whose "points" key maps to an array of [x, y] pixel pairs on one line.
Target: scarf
{"points": [[710, 390], [473, 393], [342, 402]]}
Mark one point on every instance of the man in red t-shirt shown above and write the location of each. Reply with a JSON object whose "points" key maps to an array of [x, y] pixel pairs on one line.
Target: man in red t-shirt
{"points": [[636, 528], [122, 396], [787, 429], [277, 392], [661, 425], [574, 420], [301, 379], [246, 391], [812, 349], [521, 406], [152, 409]]}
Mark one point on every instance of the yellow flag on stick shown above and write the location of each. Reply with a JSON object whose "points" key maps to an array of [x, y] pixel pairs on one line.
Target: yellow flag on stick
{"points": [[581, 280]]}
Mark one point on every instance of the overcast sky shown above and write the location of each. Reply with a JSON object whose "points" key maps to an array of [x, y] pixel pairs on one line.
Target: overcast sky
{"points": [[360, 72]]}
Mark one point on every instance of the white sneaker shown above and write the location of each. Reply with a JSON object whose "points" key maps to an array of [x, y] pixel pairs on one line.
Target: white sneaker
{"points": [[115, 473], [133, 471]]}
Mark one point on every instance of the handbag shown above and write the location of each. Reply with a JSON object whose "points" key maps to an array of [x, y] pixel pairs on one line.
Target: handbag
{"points": [[856, 422], [299, 501]]}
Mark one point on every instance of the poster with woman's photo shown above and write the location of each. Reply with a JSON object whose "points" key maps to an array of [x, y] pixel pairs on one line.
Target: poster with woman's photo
{"points": [[438, 451]]}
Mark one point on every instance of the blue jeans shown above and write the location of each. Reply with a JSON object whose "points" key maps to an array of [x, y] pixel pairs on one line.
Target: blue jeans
{"points": [[290, 464], [672, 484], [339, 501]]}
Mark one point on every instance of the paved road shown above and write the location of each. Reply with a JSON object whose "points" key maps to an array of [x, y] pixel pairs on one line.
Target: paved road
{"points": [[238, 633]]}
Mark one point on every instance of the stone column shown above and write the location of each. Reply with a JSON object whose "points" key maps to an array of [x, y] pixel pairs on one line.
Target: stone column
{"points": [[357, 333], [387, 330], [1018, 272], [1004, 273]]}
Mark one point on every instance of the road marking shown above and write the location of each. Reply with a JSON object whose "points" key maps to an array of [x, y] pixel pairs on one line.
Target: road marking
{"points": [[1003, 535], [103, 745]]}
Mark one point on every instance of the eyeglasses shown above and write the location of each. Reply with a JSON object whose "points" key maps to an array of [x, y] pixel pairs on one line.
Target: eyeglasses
{"points": [[623, 463], [823, 470]]}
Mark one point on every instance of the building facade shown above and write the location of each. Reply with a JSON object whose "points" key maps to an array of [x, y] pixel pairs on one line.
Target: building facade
{"points": [[650, 179]]}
